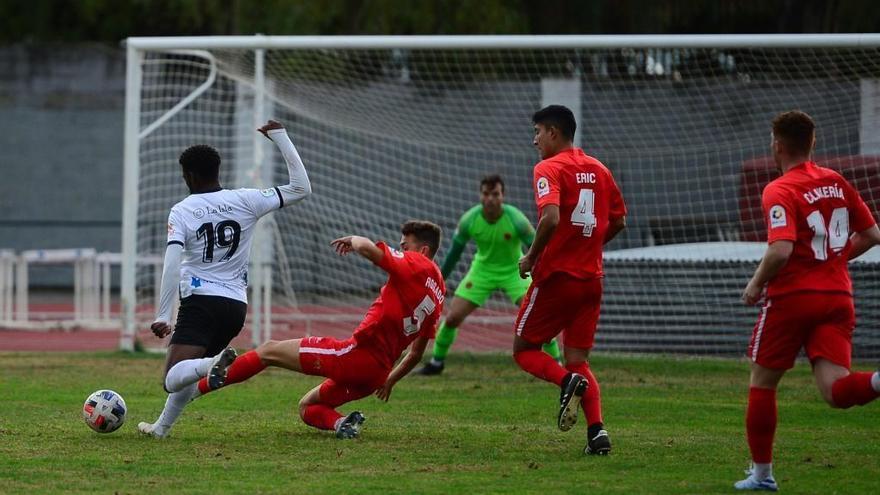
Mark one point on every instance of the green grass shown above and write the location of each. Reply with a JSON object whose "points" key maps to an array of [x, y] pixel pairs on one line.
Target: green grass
{"points": [[482, 427]]}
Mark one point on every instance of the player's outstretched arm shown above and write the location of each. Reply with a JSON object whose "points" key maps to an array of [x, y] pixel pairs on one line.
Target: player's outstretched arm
{"points": [[412, 358], [299, 186], [361, 245], [863, 241], [168, 292], [452, 258]]}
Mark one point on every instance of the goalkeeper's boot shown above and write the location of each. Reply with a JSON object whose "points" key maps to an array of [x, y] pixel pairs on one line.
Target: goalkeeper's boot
{"points": [[573, 387], [752, 483], [430, 369], [350, 427], [600, 444], [151, 430]]}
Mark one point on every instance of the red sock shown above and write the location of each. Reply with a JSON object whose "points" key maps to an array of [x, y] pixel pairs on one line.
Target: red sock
{"points": [[592, 400], [853, 389], [540, 364], [320, 416], [244, 367], [761, 423]]}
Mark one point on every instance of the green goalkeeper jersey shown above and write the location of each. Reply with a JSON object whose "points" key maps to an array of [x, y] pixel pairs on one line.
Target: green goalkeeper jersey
{"points": [[499, 244]]}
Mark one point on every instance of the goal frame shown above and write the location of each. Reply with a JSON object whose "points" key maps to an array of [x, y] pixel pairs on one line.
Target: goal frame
{"points": [[261, 286]]}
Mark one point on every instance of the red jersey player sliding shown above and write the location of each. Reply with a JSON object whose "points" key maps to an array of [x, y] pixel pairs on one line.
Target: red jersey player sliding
{"points": [[406, 312], [816, 223], [580, 208]]}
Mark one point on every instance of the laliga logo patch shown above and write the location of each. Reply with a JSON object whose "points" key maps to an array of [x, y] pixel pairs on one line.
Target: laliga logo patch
{"points": [[268, 192], [777, 216], [396, 253], [543, 187]]}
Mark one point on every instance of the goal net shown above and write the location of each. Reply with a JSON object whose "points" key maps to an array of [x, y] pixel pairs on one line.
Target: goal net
{"points": [[396, 128]]}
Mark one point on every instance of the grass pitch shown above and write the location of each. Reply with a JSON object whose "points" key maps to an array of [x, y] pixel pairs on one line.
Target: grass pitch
{"points": [[482, 427]]}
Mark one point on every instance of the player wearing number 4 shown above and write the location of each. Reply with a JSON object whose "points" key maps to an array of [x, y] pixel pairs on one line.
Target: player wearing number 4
{"points": [[580, 209], [816, 223], [405, 314], [500, 231], [206, 260]]}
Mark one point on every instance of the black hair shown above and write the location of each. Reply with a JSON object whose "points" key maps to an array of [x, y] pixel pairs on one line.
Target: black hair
{"points": [[202, 161], [490, 180], [428, 233], [559, 117]]}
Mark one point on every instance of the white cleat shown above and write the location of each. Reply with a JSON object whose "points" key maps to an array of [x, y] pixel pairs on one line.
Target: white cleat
{"points": [[751, 483], [149, 429]]}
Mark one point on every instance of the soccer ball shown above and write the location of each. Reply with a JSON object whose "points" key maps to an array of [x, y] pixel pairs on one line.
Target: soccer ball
{"points": [[104, 411]]}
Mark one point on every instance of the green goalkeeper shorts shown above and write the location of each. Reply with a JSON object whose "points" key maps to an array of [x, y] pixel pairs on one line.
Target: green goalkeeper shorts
{"points": [[478, 285]]}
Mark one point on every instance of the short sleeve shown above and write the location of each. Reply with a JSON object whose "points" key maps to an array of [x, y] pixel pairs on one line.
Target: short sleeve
{"points": [[779, 215], [617, 207], [262, 201], [393, 261], [860, 214], [176, 228], [546, 185]]}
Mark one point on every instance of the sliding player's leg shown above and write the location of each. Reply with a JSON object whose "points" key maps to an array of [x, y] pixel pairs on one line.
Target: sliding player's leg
{"points": [[318, 408]]}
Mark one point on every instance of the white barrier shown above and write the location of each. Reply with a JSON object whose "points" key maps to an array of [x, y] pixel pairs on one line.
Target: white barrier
{"points": [[104, 266], [85, 283], [7, 275]]}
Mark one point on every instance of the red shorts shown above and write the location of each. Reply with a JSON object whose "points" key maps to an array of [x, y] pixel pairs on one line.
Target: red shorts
{"points": [[561, 303], [352, 372], [820, 322]]}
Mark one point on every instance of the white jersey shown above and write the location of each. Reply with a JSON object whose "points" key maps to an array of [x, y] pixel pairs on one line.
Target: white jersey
{"points": [[216, 230]]}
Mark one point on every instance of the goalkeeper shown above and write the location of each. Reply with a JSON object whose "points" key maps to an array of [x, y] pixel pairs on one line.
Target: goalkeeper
{"points": [[500, 231]]}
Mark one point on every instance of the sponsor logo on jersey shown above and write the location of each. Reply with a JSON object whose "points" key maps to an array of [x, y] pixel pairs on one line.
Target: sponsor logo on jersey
{"points": [[268, 192], [777, 216], [198, 213], [543, 187]]}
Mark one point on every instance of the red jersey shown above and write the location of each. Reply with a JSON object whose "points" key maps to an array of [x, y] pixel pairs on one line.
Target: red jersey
{"points": [[817, 210], [409, 305], [588, 199]]}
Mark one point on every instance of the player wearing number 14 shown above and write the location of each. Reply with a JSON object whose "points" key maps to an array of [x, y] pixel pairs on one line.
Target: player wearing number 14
{"points": [[816, 223]]}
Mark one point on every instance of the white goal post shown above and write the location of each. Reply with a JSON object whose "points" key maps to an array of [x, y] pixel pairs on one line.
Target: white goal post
{"points": [[399, 127]]}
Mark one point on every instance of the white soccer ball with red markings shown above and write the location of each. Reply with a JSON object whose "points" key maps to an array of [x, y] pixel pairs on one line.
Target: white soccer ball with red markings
{"points": [[104, 411]]}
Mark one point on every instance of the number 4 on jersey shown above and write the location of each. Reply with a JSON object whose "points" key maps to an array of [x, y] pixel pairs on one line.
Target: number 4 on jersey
{"points": [[584, 214]]}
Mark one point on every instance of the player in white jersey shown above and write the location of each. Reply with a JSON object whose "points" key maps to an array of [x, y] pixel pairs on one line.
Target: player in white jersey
{"points": [[206, 261]]}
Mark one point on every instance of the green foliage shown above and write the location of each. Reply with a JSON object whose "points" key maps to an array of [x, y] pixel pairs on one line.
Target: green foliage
{"points": [[482, 427], [111, 21]]}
